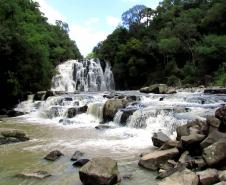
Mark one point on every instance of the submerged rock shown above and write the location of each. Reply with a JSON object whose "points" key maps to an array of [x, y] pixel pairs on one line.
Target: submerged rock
{"points": [[102, 127], [80, 162], [99, 171], [36, 175], [77, 155], [8, 136], [154, 159], [54, 155]]}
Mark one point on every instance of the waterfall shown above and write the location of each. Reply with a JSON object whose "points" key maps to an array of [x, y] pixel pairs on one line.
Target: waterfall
{"points": [[86, 75]]}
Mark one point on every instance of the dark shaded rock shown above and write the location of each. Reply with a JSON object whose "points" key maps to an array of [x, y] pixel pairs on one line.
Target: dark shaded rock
{"points": [[14, 113], [159, 139], [80, 162], [54, 155], [36, 175], [77, 155], [221, 114], [99, 171], [215, 153], [8, 140], [72, 112], [126, 114], [3, 111], [185, 177], [215, 91], [208, 177], [213, 121], [102, 127], [153, 160], [39, 96], [161, 99], [214, 136], [48, 94], [111, 107]]}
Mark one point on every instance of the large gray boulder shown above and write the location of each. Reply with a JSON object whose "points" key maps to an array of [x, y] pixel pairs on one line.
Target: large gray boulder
{"points": [[99, 171], [215, 153], [214, 136], [153, 160], [156, 89], [208, 177], [159, 139], [185, 177], [111, 107]]}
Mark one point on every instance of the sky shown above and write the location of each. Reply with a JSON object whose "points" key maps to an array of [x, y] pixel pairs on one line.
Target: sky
{"points": [[90, 21]]}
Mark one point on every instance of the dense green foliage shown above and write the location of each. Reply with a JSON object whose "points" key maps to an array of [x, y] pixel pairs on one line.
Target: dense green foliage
{"points": [[30, 48], [181, 42]]}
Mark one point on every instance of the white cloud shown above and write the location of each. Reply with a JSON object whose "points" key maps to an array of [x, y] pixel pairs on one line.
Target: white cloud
{"points": [[91, 21], [113, 21], [49, 12], [86, 37]]}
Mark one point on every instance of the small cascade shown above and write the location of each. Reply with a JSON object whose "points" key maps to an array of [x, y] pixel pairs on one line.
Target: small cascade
{"points": [[96, 110], [86, 75], [117, 117]]}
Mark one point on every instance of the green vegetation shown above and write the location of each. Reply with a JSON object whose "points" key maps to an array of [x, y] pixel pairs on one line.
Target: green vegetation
{"points": [[181, 42], [30, 48]]}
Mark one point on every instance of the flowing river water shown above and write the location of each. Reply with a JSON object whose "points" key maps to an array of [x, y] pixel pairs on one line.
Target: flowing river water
{"points": [[50, 127]]}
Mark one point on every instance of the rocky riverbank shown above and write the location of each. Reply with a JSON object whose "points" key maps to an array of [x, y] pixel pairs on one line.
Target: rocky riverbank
{"points": [[197, 156]]}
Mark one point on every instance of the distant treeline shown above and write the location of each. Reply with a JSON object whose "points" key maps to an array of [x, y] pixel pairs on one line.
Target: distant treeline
{"points": [[181, 42], [30, 48]]}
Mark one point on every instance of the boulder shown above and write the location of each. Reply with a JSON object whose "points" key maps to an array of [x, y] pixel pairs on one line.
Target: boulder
{"points": [[80, 162], [77, 155], [154, 159], [192, 139], [101, 171], [221, 183], [54, 155], [36, 175], [208, 177], [215, 153], [170, 144], [156, 89], [213, 121], [48, 94], [214, 136], [221, 114], [177, 168], [111, 107], [8, 140], [159, 139], [72, 112], [185, 177]]}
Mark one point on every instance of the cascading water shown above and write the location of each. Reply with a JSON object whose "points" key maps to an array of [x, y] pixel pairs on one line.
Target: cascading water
{"points": [[86, 75]]}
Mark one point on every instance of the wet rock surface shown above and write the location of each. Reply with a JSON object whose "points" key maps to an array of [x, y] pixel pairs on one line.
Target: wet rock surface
{"points": [[37, 175], [53, 155], [8, 136]]}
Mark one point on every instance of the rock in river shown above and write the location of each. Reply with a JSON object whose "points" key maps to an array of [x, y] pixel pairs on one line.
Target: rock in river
{"points": [[154, 159], [36, 175], [54, 155], [99, 171]]}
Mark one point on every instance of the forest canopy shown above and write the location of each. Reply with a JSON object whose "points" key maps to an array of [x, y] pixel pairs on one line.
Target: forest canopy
{"points": [[30, 48], [181, 42]]}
